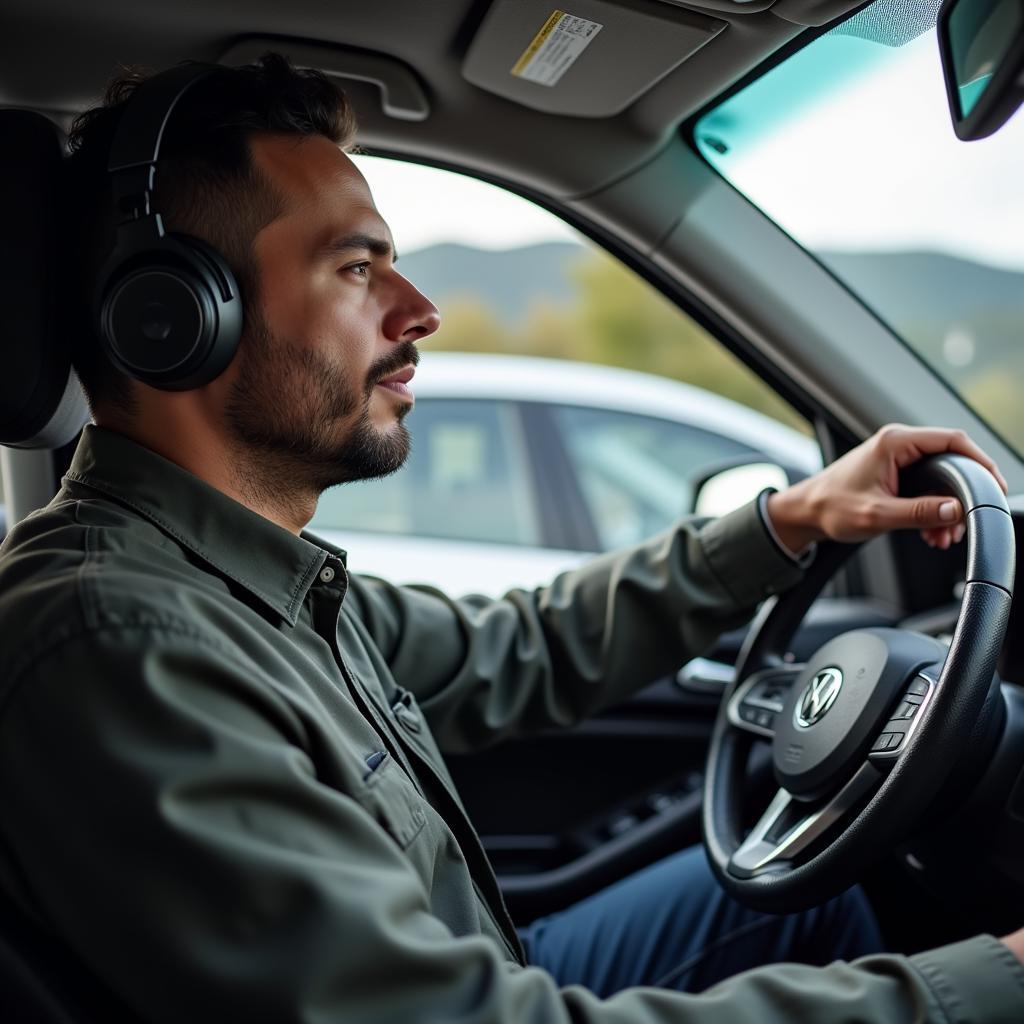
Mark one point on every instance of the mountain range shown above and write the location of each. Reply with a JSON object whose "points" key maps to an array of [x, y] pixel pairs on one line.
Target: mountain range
{"points": [[508, 280], [928, 290]]}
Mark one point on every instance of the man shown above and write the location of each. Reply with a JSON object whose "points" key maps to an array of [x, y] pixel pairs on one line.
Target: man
{"points": [[238, 808]]}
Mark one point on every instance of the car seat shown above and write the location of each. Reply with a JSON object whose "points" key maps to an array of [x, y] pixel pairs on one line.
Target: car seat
{"points": [[42, 407]]}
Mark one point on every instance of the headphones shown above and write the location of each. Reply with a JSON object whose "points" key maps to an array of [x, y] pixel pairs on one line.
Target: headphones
{"points": [[167, 306]]}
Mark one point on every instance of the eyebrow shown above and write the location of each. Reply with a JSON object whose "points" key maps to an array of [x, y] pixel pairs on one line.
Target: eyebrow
{"points": [[347, 243]]}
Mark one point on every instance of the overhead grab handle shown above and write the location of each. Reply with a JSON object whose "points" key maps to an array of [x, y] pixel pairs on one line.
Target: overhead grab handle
{"points": [[402, 95]]}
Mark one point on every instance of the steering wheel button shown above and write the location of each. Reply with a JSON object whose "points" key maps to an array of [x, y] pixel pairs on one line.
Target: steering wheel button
{"points": [[918, 688], [765, 719], [888, 741], [749, 714], [905, 711]]}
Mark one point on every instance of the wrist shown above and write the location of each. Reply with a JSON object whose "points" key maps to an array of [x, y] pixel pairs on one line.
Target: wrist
{"points": [[794, 517]]}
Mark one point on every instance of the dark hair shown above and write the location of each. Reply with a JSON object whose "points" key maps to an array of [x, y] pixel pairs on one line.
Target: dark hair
{"points": [[206, 184]]}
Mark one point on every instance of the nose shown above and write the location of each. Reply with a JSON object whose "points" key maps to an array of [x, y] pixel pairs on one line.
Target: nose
{"points": [[413, 316]]}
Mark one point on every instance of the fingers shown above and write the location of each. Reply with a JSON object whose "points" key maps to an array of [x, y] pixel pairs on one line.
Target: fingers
{"points": [[911, 443], [944, 537], [928, 512], [856, 497]]}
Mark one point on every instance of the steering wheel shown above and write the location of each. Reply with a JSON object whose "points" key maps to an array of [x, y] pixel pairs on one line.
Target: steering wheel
{"points": [[866, 734]]}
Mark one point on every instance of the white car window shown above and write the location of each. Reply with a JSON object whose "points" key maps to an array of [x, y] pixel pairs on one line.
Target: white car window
{"points": [[636, 472], [466, 478]]}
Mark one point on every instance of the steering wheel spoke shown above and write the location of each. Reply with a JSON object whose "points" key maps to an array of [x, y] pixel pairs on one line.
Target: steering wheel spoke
{"points": [[789, 826], [759, 699]]}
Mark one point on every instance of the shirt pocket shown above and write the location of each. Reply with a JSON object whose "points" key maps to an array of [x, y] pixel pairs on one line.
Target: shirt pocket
{"points": [[414, 729], [389, 796]]}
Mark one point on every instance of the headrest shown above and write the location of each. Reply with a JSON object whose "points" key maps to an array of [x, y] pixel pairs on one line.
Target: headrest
{"points": [[41, 401]]}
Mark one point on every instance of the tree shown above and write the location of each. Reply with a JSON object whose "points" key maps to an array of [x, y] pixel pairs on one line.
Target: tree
{"points": [[616, 319]]}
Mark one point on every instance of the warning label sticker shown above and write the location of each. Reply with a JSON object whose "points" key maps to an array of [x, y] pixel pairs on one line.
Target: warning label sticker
{"points": [[555, 48]]}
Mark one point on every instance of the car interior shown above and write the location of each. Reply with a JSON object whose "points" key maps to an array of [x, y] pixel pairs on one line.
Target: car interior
{"points": [[608, 146]]}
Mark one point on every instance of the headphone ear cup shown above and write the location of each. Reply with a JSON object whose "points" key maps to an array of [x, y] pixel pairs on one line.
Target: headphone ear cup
{"points": [[170, 315]]}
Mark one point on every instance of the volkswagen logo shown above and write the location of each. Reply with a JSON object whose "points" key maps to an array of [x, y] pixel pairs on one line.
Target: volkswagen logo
{"points": [[819, 696]]}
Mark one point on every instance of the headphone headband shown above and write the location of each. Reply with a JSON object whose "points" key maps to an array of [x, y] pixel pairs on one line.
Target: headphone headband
{"points": [[145, 116], [136, 147]]}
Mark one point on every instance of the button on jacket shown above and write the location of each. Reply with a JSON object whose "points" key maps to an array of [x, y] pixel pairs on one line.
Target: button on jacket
{"points": [[221, 780]]}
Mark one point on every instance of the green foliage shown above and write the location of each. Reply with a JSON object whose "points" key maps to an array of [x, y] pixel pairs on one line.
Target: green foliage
{"points": [[990, 380], [617, 319]]}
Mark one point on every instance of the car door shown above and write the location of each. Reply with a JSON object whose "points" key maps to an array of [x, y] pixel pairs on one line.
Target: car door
{"points": [[508, 460], [530, 321], [514, 477]]}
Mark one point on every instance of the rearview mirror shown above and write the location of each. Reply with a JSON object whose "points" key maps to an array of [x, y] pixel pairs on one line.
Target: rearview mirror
{"points": [[981, 43]]}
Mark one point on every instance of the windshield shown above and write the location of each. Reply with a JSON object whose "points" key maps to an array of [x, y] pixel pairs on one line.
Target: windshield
{"points": [[848, 146]]}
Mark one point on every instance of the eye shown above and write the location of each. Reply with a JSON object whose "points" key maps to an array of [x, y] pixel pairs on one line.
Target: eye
{"points": [[360, 269]]}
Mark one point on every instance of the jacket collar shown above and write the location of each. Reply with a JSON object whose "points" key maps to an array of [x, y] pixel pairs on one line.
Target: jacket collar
{"points": [[274, 565]]}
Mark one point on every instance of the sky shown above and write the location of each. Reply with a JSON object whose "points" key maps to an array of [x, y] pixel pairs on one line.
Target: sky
{"points": [[424, 206], [875, 165]]}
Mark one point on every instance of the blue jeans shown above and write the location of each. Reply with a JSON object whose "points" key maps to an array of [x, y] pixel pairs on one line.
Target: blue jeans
{"points": [[672, 926]]}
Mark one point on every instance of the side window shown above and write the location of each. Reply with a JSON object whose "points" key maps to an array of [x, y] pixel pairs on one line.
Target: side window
{"points": [[466, 478], [525, 301], [636, 472], [510, 278]]}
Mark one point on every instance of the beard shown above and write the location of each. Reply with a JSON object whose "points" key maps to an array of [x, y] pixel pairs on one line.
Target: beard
{"points": [[287, 412]]}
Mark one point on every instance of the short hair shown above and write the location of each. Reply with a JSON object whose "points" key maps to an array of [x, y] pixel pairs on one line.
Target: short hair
{"points": [[206, 185]]}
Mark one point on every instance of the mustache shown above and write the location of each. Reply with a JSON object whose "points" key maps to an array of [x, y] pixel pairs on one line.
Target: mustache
{"points": [[405, 354]]}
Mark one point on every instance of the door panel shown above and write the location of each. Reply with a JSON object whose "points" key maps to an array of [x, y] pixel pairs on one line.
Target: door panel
{"points": [[565, 813], [562, 814]]}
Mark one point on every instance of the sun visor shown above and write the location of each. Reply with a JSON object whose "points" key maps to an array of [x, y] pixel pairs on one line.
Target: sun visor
{"points": [[590, 60]]}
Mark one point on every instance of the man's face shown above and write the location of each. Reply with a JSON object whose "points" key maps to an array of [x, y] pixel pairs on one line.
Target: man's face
{"points": [[320, 387]]}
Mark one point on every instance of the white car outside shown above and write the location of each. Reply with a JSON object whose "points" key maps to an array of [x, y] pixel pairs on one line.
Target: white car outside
{"points": [[475, 511]]}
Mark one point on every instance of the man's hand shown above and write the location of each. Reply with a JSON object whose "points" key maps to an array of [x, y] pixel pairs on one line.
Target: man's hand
{"points": [[1016, 944], [855, 498]]}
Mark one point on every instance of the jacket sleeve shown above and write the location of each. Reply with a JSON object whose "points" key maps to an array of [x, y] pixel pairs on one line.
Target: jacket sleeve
{"points": [[484, 670], [213, 877]]}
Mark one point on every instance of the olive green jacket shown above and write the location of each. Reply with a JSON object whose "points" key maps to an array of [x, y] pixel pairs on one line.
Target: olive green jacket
{"points": [[221, 780]]}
